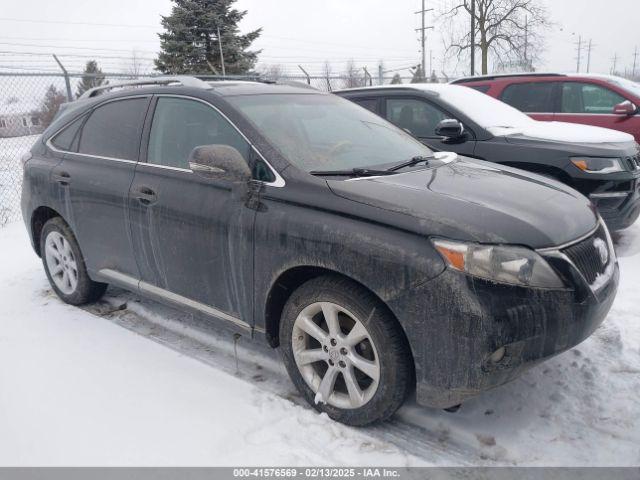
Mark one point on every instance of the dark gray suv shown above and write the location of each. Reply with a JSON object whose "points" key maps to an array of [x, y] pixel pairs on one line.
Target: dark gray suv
{"points": [[305, 221]]}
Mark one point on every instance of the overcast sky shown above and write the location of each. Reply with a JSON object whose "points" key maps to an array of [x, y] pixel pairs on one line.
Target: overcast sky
{"points": [[297, 32]]}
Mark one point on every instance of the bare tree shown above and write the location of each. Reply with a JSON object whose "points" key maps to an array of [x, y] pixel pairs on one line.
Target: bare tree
{"points": [[134, 67], [50, 106], [273, 72], [508, 30], [353, 76], [327, 71]]}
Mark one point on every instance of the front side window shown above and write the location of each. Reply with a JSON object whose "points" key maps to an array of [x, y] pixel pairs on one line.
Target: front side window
{"points": [[322, 132], [580, 97], [113, 129], [180, 125], [534, 97], [415, 116]]}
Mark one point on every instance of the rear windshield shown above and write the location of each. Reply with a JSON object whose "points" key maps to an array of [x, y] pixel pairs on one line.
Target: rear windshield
{"points": [[326, 132]]}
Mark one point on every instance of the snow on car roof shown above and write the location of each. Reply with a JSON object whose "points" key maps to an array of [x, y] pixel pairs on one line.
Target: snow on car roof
{"points": [[501, 119]]}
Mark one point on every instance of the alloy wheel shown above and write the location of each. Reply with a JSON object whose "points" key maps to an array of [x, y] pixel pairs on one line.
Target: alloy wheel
{"points": [[335, 355], [61, 263]]}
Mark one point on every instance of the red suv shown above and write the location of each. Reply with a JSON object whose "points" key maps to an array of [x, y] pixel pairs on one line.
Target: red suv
{"points": [[599, 100]]}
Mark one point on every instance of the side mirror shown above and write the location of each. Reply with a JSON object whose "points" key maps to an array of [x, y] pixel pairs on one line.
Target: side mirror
{"points": [[219, 162], [450, 128], [625, 108]]}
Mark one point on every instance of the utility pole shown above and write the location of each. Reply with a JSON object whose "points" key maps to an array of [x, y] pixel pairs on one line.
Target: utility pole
{"points": [[224, 72], [589, 56], [615, 63], [635, 57], [423, 42], [526, 41], [473, 38], [579, 52]]}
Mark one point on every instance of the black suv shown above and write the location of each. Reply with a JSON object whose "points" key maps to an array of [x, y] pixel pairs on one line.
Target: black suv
{"points": [[600, 163], [301, 219]]}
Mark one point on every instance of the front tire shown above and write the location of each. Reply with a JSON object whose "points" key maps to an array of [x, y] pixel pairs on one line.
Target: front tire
{"points": [[64, 265], [345, 352]]}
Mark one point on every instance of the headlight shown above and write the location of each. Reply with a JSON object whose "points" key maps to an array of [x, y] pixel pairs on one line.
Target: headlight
{"points": [[598, 164], [502, 264]]}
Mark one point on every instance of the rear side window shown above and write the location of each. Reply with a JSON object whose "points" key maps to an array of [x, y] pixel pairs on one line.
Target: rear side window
{"points": [[480, 88], [530, 97], [67, 139], [370, 104], [415, 116], [180, 125], [113, 129], [588, 98]]}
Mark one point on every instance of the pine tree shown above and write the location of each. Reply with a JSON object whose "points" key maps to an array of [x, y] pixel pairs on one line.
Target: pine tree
{"points": [[50, 105], [91, 77], [191, 45], [396, 80]]}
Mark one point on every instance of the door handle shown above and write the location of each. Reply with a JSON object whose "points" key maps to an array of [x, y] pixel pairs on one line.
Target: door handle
{"points": [[145, 195], [63, 178]]}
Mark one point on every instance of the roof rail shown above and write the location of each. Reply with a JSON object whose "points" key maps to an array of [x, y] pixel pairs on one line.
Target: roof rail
{"points": [[479, 78], [184, 80]]}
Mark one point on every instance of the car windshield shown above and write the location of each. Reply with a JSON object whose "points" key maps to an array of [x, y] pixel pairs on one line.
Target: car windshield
{"points": [[484, 110], [631, 87], [325, 132]]}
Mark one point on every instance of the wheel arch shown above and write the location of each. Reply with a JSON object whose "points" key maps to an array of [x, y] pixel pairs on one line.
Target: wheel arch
{"points": [[288, 281], [39, 217]]}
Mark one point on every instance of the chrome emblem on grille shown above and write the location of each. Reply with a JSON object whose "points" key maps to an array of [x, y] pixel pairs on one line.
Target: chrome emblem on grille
{"points": [[601, 246]]}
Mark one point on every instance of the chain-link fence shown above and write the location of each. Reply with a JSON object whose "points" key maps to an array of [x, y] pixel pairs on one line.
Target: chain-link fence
{"points": [[29, 101]]}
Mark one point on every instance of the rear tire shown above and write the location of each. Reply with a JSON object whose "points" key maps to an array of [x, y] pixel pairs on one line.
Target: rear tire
{"points": [[64, 265], [345, 352]]}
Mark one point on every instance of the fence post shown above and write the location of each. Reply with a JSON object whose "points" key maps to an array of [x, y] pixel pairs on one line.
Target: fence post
{"points": [[66, 78], [367, 75], [306, 74]]}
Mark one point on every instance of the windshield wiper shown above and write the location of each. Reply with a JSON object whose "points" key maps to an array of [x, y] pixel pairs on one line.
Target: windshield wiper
{"points": [[354, 172], [411, 163]]}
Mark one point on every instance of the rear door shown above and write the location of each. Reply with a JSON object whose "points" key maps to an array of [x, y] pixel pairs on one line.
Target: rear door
{"points": [[420, 118], [537, 99], [193, 237], [592, 104], [94, 178]]}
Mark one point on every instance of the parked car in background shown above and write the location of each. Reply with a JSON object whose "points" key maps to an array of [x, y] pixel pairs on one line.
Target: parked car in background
{"points": [[599, 100], [602, 164], [303, 220]]}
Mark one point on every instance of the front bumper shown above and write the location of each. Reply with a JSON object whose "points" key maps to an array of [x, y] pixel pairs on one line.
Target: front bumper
{"points": [[619, 209], [459, 321]]}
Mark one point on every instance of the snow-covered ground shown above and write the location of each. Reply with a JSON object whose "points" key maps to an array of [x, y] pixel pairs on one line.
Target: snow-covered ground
{"points": [[130, 382], [11, 151]]}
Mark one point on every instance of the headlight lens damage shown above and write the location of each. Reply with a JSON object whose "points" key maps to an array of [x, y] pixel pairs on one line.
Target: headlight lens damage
{"points": [[502, 264], [598, 164]]}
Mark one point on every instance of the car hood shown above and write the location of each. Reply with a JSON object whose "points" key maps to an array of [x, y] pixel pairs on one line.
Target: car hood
{"points": [[562, 132], [473, 200]]}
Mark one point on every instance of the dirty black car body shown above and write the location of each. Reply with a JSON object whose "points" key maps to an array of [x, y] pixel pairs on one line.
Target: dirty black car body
{"points": [[373, 277], [496, 132]]}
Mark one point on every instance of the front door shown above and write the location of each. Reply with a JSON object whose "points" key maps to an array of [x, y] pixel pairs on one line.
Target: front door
{"points": [[193, 237], [420, 118], [592, 104]]}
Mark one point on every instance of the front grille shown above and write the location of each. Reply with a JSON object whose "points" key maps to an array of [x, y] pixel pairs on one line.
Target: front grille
{"points": [[591, 256], [634, 162]]}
